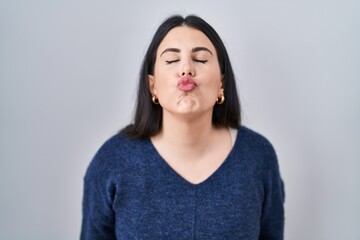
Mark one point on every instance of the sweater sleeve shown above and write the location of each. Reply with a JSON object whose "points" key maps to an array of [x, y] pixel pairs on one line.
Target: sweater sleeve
{"points": [[98, 215], [272, 219]]}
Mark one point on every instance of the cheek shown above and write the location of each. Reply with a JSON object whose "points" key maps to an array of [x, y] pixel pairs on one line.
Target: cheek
{"points": [[214, 81], [164, 87], [213, 75], [162, 83], [163, 77]]}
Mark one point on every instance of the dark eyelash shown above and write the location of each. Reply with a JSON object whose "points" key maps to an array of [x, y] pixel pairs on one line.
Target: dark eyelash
{"points": [[170, 62], [196, 60], [200, 61]]}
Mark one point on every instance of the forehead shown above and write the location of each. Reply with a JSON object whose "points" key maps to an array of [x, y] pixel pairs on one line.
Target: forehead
{"points": [[185, 38]]}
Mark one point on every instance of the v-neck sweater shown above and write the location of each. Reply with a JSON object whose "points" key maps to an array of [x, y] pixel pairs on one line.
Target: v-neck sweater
{"points": [[130, 192]]}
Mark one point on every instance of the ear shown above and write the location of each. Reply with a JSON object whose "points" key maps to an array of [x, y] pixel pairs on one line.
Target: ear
{"points": [[221, 86], [152, 85]]}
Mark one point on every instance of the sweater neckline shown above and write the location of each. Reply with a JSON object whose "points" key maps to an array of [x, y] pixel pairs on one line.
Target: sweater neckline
{"points": [[178, 177]]}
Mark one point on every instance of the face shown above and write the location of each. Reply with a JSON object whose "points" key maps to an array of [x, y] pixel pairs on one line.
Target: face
{"points": [[187, 77]]}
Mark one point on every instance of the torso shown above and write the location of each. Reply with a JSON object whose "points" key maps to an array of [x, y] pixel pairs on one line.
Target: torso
{"points": [[131, 192]]}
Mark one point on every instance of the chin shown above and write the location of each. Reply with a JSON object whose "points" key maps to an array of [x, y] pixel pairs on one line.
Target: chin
{"points": [[186, 103]]}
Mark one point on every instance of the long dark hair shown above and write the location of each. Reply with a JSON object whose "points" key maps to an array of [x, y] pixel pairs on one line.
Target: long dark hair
{"points": [[148, 116]]}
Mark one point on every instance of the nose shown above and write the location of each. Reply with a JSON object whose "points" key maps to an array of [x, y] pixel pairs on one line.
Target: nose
{"points": [[187, 69], [190, 73]]}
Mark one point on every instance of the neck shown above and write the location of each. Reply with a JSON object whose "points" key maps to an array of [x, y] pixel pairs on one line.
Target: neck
{"points": [[189, 136]]}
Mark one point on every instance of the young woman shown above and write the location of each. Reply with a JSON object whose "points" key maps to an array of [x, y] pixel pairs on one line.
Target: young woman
{"points": [[185, 168]]}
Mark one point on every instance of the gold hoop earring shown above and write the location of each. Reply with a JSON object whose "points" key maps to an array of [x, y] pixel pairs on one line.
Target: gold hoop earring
{"points": [[220, 100], [155, 100]]}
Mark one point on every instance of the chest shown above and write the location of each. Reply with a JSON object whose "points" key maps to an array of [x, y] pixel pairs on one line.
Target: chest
{"points": [[164, 206], [195, 168]]}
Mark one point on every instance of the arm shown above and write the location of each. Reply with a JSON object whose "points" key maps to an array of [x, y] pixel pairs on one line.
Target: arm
{"points": [[98, 216], [272, 219]]}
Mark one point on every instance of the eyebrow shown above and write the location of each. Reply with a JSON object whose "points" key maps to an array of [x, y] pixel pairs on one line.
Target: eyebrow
{"points": [[197, 49], [177, 50]]}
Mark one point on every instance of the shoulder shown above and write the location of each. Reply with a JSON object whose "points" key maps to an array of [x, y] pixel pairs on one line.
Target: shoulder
{"points": [[117, 145], [115, 154], [256, 145], [253, 138]]}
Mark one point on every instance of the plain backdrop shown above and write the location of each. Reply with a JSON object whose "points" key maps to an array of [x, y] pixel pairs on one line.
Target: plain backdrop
{"points": [[68, 75]]}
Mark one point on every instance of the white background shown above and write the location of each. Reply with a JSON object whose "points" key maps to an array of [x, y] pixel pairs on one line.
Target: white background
{"points": [[68, 73]]}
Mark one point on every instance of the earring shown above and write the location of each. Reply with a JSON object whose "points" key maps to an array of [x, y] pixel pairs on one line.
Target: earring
{"points": [[220, 100], [155, 99]]}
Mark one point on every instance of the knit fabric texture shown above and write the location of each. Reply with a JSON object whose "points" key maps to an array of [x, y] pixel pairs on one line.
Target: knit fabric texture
{"points": [[130, 192]]}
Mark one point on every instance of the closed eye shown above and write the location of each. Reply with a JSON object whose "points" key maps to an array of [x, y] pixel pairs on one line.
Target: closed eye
{"points": [[172, 61], [200, 61]]}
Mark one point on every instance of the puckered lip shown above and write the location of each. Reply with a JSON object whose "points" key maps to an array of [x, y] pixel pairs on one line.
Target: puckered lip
{"points": [[186, 84]]}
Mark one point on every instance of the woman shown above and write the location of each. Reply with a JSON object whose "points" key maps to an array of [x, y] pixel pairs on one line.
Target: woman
{"points": [[185, 168]]}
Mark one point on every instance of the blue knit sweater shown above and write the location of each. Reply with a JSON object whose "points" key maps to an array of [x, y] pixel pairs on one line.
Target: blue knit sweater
{"points": [[130, 192]]}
